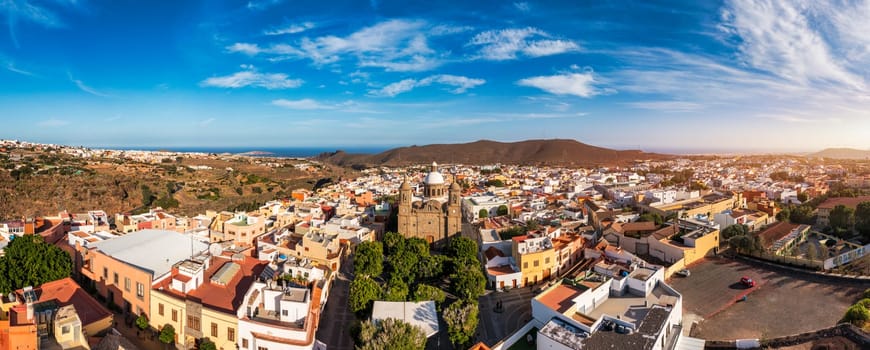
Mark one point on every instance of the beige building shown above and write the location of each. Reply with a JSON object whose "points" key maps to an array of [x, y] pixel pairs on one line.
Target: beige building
{"points": [[436, 216]]}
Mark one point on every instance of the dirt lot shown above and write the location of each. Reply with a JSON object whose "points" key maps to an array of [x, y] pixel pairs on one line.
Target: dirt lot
{"points": [[783, 302]]}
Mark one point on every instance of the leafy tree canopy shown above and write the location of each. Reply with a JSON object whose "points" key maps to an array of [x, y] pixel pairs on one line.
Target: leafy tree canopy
{"points": [[31, 262], [369, 259], [426, 292], [167, 334], [461, 318], [462, 247], [391, 334], [468, 283], [363, 291]]}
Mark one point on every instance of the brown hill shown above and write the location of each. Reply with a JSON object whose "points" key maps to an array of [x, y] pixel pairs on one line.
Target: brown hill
{"points": [[841, 153], [531, 152]]}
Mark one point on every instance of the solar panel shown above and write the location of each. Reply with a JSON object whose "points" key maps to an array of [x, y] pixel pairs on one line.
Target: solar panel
{"points": [[267, 274]]}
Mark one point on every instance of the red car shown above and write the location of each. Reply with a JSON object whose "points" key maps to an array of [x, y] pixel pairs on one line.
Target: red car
{"points": [[746, 281]]}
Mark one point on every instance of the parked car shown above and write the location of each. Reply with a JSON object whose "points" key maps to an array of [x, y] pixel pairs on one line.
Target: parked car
{"points": [[746, 281], [684, 273]]}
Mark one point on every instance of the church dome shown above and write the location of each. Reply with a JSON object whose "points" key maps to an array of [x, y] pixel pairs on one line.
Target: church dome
{"points": [[434, 178]]}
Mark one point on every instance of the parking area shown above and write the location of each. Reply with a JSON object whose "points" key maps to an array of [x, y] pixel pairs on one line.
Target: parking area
{"points": [[783, 302]]}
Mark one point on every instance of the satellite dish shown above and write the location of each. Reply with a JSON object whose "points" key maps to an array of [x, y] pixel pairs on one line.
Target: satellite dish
{"points": [[215, 249]]}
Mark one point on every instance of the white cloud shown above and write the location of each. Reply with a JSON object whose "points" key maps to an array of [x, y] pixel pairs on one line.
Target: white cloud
{"points": [[572, 83], [787, 39], [53, 123], [522, 6], [460, 84], [306, 104], [12, 68], [290, 29], [251, 77], [507, 44], [24, 10], [84, 87], [206, 122], [444, 29], [667, 106], [257, 5], [394, 45]]}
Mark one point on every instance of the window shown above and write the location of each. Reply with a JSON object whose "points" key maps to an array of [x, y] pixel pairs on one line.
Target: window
{"points": [[65, 330], [526, 265], [546, 260], [174, 315], [231, 334], [105, 273], [115, 275], [244, 343], [537, 263], [193, 322], [140, 291], [214, 329], [160, 309], [284, 312], [262, 348], [127, 284]]}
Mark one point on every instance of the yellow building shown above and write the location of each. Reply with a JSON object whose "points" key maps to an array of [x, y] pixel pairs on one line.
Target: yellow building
{"points": [[535, 258], [199, 299]]}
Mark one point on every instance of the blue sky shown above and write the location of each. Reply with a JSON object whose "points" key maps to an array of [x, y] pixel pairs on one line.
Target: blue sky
{"points": [[656, 75]]}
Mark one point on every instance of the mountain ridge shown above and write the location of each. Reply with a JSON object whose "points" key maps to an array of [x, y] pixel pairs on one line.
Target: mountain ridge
{"points": [[528, 152], [841, 153]]}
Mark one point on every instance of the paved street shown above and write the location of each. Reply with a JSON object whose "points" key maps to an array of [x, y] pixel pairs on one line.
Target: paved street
{"points": [[495, 326], [337, 318]]}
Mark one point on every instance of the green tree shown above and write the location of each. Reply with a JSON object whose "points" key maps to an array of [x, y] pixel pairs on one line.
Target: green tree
{"points": [[391, 334], [462, 247], [651, 217], [167, 334], [468, 283], [417, 246], [502, 210], [783, 215], [757, 244], [397, 290], [495, 183], [857, 315], [393, 242], [841, 216], [31, 262], [363, 291], [425, 292], [802, 214], [734, 230], [741, 243], [369, 259], [483, 214], [803, 197], [532, 225], [430, 267], [461, 318], [402, 263], [142, 322], [207, 344], [147, 196], [862, 219]]}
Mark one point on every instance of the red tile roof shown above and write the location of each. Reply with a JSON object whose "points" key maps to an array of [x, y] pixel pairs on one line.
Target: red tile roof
{"points": [[851, 202], [775, 232], [217, 297], [560, 298], [492, 252], [65, 292]]}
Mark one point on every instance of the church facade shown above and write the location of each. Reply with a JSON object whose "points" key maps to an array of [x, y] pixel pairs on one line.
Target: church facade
{"points": [[436, 216]]}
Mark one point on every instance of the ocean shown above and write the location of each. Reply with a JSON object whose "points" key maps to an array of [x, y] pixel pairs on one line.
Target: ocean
{"points": [[273, 151]]}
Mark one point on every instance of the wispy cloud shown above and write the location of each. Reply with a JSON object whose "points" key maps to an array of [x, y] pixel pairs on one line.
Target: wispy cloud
{"points": [[304, 104], [508, 44], [251, 77], [53, 123], [459, 84], [522, 6], [257, 5], [290, 29], [84, 87], [16, 10], [394, 45], [785, 38], [666, 106], [10, 66], [206, 122], [571, 83]]}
